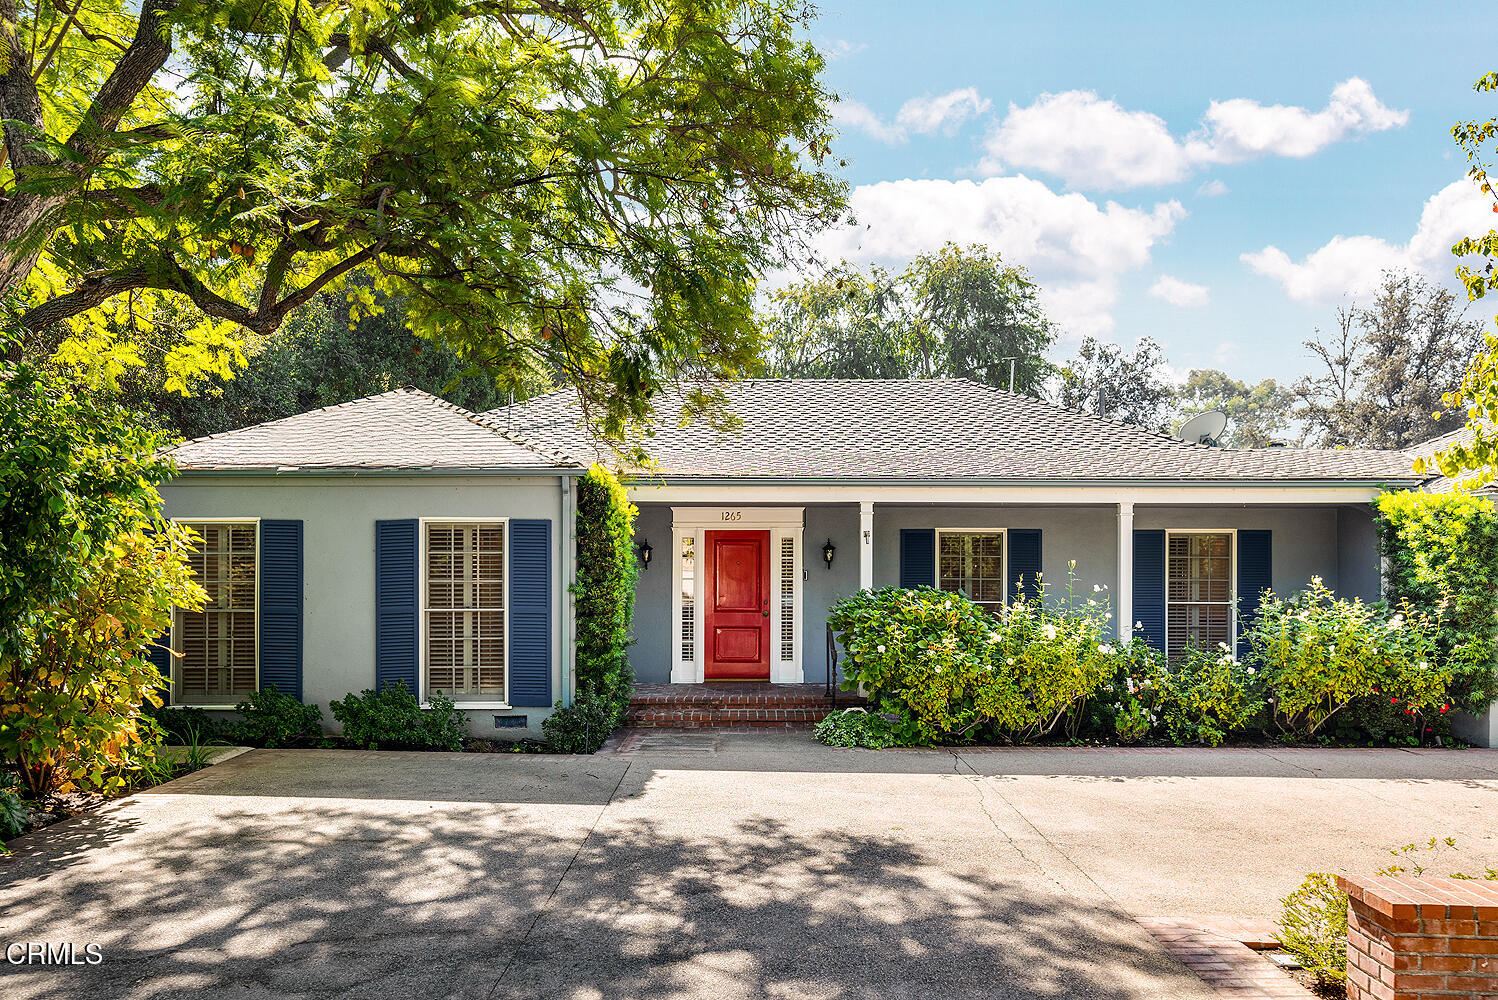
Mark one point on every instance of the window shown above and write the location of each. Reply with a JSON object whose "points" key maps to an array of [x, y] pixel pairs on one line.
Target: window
{"points": [[218, 665], [688, 598], [972, 562], [464, 610], [1198, 590], [787, 598]]}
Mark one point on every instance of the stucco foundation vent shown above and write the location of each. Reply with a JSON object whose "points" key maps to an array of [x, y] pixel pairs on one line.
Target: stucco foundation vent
{"points": [[511, 722]]}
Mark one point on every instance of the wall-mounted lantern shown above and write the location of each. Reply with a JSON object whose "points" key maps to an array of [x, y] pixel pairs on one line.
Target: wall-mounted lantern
{"points": [[645, 551], [828, 551]]}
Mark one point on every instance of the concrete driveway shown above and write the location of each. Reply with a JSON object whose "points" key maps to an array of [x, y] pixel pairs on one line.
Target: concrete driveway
{"points": [[708, 866]]}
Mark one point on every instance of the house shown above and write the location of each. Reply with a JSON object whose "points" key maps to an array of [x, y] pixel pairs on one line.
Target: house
{"points": [[398, 537]]}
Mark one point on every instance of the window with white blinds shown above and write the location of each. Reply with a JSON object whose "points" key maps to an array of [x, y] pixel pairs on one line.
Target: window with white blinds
{"points": [[1198, 591], [972, 562], [463, 609], [219, 661]]}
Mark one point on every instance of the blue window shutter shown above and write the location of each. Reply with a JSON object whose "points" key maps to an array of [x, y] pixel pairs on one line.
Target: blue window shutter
{"points": [[158, 656], [1024, 563], [1255, 569], [395, 604], [281, 606], [1149, 588], [917, 558], [530, 613]]}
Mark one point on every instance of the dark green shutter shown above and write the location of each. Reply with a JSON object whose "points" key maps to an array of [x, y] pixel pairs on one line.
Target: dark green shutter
{"points": [[530, 613], [917, 558], [1255, 575], [281, 606], [1149, 588], [1024, 563], [395, 603]]}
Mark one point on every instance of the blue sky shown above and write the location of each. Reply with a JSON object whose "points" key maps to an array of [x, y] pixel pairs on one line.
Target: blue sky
{"points": [[1216, 176]]}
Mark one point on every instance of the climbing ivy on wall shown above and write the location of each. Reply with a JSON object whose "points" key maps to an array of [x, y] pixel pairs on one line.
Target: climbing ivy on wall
{"points": [[1441, 550]]}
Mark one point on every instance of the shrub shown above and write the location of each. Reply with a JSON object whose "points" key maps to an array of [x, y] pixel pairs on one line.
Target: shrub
{"points": [[1442, 552], [854, 727], [1207, 694], [182, 725], [585, 725], [89, 573], [1313, 928], [392, 718], [12, 814], [1130, 703], [605, 598], [1320, 654], [268, 718], [958, 673]]}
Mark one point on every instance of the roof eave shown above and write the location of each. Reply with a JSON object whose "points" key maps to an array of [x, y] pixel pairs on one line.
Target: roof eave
{"points": [[351, 471], [1309, 483]]}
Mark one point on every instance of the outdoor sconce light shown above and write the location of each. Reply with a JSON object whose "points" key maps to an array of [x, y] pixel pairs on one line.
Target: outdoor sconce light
{"points": [[645, 551], [828, 551]]}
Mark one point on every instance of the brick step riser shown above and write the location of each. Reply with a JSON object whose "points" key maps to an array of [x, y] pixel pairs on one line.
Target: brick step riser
{"points": [[707, 719]]}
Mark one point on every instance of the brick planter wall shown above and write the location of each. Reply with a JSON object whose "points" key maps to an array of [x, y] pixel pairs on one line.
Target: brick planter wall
{"points": [[1421, 938]]}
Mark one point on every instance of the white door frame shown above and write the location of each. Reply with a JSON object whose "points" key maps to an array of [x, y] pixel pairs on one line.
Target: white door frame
{"points": [[787, 576]]}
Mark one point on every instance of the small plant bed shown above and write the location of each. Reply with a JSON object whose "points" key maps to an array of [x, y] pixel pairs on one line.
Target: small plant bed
{"points": [[1316, 671]]}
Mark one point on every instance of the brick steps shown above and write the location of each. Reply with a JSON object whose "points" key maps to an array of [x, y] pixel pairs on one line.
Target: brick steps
{"points": [[730, 706]]}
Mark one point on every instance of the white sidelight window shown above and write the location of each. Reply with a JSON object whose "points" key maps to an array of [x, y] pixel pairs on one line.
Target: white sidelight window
{"points": [[464, 609], [972, 562], [1198, 590], [688, 598], [219, 664]]}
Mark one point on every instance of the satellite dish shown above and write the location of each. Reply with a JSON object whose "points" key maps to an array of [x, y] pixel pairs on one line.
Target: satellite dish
{"points": [[1204, 428]]}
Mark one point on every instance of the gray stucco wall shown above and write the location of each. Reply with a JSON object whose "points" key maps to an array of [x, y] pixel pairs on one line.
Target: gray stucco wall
{"points": [[339, 518], [1335, 543]]}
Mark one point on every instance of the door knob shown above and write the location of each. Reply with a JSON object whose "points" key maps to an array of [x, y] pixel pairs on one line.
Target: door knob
{"points": [[765, 613]]}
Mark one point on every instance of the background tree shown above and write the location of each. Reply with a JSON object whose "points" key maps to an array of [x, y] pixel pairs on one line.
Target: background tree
{"points": [[587, 187], [956, 313], [1105, 381], [1256, 413], [1387, 368], [328, 352], [1473, 459]]}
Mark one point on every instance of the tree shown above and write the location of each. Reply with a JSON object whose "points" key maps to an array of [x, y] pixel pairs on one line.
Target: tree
{"points": [[1388, 367], [327, 353], [1105, 381], [956, 313], [1256, 413], [89, 574], [1473, 459], [581, 185]]}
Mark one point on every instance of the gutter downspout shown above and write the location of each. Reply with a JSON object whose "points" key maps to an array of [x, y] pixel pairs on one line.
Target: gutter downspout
{"points": [[567, 543]]}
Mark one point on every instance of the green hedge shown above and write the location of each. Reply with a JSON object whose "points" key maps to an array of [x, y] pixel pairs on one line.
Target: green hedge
{"points": [[1442, 550], [605, 605]]}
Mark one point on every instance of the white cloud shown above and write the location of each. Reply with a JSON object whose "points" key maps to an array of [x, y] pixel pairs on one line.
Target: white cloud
{"points": [[1098, 144], [1077, 249], [946, 113], [1353, 265], [927, 115], [1241, 129], [841, 48], [1213, 188], [1178, 292]]}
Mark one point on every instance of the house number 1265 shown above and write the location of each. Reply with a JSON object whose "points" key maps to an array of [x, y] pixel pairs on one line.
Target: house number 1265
{"points": [[733, 515]]}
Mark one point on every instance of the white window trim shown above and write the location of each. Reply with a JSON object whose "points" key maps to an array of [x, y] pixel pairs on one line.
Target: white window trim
{"points": [[1232, 534], [1004, 535], [421, 610], [694, 523], [177, 631]]}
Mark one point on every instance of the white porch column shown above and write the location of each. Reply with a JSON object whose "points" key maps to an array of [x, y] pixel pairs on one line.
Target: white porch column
{"points": [[1124, 596], [866, 545]]}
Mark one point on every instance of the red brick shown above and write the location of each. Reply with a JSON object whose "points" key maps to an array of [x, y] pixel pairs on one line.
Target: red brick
{"points": [[1445, 963]]}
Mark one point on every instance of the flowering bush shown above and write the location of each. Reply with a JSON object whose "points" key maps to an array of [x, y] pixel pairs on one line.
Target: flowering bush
{"points": [[1130, 703], [956, 672], [1320, 654], [1208, 694]]}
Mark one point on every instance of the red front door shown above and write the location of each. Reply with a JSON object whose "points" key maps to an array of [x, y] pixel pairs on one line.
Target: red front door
{"points": [[738, 605]]}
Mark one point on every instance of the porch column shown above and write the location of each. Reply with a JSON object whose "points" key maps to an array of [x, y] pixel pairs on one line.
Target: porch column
{"points": [[1124, 596], [866, 545]]}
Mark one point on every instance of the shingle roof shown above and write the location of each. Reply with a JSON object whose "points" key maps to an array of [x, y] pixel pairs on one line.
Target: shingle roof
{"points": [[401, 429], [1438, 483], [932, 429]]}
